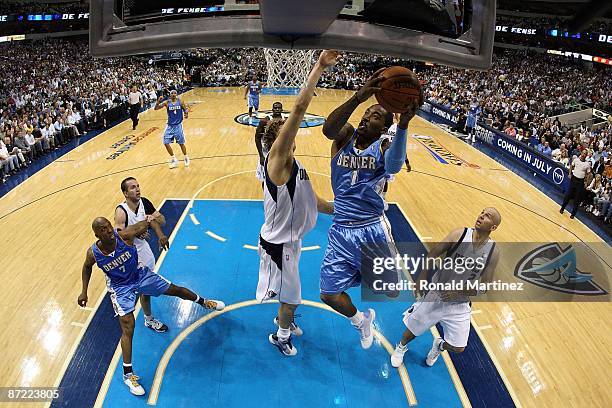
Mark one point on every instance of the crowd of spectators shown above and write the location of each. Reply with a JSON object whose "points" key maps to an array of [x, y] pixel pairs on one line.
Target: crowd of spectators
{"points": [[542, 37], [521, 95], [62, 93]]}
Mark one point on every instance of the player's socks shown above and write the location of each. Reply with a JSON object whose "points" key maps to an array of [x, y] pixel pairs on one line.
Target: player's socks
{"points": [[293, 327], [283, 334], [187, 161], [127, 369], [357, 319]]}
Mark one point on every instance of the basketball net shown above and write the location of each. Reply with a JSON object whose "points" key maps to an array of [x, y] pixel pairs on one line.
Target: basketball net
{"points": [[287, 68]]}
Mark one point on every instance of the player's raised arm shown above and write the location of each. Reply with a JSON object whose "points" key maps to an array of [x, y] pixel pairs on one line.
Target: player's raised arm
{"points": [[259, 133], [336, 126], [395, 153], [281, 153], [159, 104]]}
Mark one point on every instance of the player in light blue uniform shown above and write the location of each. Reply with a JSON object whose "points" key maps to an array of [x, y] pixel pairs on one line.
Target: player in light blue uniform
{"points": [[116, 255], [253, 89], [176, 110], [360, 165], [472, 119]]}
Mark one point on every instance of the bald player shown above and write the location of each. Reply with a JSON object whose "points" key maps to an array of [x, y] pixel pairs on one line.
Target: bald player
{"points": [[115, 254], [452, 309]]}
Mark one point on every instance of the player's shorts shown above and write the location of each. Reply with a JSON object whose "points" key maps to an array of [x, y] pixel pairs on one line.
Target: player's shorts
{"points": [[341, 267], [253, 102], [174, 133], [454, 318], [260, 173], [145, 255], [124, 297], [279, 276]]}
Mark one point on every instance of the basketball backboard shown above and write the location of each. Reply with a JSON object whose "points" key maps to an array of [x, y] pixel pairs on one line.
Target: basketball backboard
{"points": [[451, 32]]}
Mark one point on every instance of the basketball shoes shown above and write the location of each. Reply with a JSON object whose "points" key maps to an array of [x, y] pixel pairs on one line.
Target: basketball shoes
{"points": [[397, 358], [434, 353], [366, 329], [131, 380], [155, 325], [284, 347]]}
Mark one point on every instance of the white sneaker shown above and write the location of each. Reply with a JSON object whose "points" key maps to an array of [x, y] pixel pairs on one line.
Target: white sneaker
{"points": [[131, 380], [213, 304], [434, 353], [397, 358], [155, 325], [187, 161], [366, 329], [295, 329], [285, 347], [173, 163]]}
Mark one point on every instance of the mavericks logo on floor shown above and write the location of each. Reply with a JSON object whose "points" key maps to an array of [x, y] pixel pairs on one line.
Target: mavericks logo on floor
{"points": [[309, 120], [552, 267]]}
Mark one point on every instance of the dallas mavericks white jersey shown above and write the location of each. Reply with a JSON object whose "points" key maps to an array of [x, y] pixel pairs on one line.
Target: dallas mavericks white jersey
{"points": [[291, 209], [390, 133], [465, 249], [145, 254]]}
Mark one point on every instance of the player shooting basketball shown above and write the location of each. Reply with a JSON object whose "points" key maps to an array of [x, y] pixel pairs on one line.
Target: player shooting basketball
{"points": [[359, 170]]}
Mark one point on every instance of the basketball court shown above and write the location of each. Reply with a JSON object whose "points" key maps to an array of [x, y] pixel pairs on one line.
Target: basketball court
{"points": [[524, 354]]}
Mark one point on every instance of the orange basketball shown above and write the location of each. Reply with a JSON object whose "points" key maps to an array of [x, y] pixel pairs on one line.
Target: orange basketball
{"points": [[400, 87]]}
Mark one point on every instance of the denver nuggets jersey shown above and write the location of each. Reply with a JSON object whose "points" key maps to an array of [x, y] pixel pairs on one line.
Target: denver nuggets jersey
{"points": [[291, 209], [464, 249], [358, 178], [254, 88], [145, 254], [175, 112], [121, 265]]}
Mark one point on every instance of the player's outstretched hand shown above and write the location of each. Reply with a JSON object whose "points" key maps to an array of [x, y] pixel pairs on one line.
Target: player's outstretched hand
{"points": [[329, 58], [163, 243], [370, 87], [409, 114], [161, 98], [82, 301]]}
